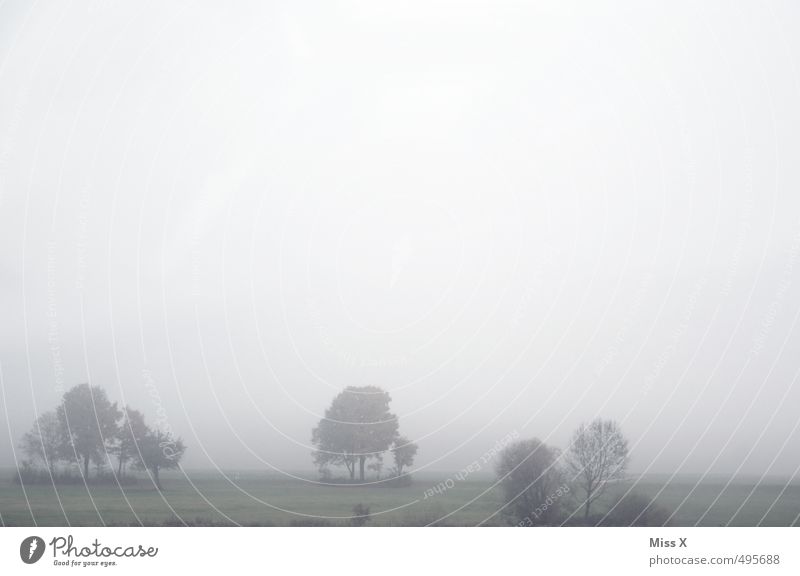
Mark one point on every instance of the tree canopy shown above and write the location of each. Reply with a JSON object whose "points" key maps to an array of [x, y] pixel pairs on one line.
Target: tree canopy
{"points": [[530, 477], [132, 433], [88, 423], [404, 452], [87, 428], [357, 427], [159, 451], [44, 441], [598, 454]]}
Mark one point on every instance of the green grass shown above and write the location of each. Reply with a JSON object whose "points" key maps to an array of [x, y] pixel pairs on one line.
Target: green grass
{"points": [[781, 509], [259, 499]]}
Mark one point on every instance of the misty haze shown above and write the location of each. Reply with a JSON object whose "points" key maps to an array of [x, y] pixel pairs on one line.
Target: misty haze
{"points": [[335, 263]]}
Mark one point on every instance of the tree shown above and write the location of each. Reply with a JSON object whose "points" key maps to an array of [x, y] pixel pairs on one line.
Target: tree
{"points": [[43, 442], [88, 424], [357, 426], [131, 434], [531, 480], [404, 451], [159, 451], [597, 455]]}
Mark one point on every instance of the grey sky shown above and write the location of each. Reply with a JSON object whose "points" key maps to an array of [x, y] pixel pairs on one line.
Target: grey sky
{"points": [[511, 215]]}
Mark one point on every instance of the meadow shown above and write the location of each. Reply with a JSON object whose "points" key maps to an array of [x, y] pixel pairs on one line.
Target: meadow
{"points": [[251, 498]]}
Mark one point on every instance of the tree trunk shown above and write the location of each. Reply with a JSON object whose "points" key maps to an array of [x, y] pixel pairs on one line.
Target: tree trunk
{"points": [[352, 469], [361, 461], [586, 507], [85, 467], [119, 471], [156, 479]]}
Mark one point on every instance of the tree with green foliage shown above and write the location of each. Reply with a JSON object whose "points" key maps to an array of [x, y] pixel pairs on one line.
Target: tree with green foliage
{"points": [[44, 441], [88, 422], [357, 426], [159, 451], [530, 478], [132, 433], [404, 451]]}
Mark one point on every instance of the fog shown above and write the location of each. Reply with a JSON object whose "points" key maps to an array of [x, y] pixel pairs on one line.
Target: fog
{"points": [[513, 216]]}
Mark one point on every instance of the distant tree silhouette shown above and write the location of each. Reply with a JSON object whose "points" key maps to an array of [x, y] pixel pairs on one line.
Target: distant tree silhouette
{"points": [[85, 429], [159, 451], [357, 426], [88, 424], [597, 455], [404, 452], [44, 441], [132, 433], [530, 478]]}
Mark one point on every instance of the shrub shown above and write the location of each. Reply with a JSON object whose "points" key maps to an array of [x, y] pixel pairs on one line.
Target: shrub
{"points": [[635, 509], [398, 481], [360, 515], [424, 515], [304, 522]]}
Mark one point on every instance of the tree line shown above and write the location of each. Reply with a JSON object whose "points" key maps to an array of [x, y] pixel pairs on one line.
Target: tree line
{"points": [[86, 428]]}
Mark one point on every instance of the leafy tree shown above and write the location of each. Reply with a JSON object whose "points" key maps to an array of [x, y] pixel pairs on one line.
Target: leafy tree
{"points": [[404, 451], [131, 435], [531, 481], [84, 429], [598, 454], [159, 451], [88, 424], [357, 426], [43, 442]]}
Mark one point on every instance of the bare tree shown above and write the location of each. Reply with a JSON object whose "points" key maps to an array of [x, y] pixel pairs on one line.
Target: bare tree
{"points": [[597, 455]]}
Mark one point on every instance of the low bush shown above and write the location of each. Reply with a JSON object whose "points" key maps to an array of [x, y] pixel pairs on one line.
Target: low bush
{"points": [[636, 510]]}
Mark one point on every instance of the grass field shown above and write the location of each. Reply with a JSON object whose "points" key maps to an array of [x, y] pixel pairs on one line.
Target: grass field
{"points": [[259, 499]]}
